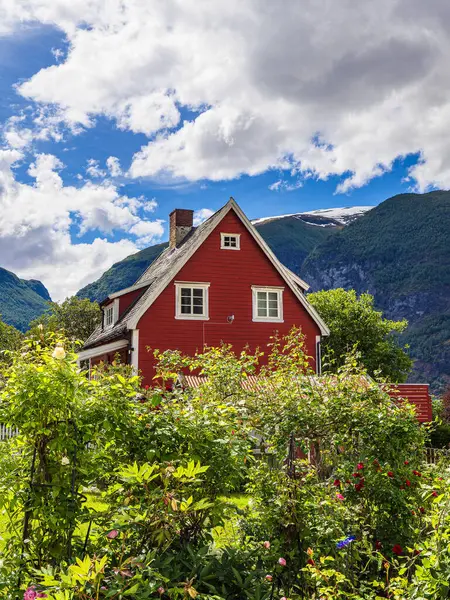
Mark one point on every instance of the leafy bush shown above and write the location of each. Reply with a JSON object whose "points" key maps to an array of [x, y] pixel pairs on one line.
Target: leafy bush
{"points": [[350, 510]]}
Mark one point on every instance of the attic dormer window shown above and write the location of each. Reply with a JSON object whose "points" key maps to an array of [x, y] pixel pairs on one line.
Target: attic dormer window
{"points": [[108, 317], [230, 241]]}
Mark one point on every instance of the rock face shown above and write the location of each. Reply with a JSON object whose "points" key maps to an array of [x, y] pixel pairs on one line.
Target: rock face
{"points": [[400, 253], [21, 301]]}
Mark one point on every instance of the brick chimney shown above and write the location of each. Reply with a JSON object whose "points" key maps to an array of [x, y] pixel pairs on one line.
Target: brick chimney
{"points": [[181, 222]]}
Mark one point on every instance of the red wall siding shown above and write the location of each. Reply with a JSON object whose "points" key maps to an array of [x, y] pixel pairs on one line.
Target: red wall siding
{"points": [[417, 394], [231, 274], [127, 299]]}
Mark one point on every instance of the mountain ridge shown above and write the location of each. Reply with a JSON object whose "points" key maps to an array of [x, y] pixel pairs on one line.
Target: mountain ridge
{"points": [[21, 300]]}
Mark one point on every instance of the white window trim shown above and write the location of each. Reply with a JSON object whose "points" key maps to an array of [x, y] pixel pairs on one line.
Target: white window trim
{"points": [[115, 310], [279, 291], [235, 235], [319, 355], [193, 285], [100, 350]]}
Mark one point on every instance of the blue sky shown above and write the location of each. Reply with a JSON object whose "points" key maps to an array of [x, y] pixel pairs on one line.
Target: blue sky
{"points": [[188, 114]]}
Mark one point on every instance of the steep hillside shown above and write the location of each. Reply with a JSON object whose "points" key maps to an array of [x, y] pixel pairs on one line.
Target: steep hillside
{"points": [[292, 237], [21, 301], [399, 252], [121, 274]]}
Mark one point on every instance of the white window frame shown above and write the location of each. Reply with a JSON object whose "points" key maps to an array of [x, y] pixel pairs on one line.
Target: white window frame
{"points": [[279, 292], [179, 285], [114, 308], [237, 237]]}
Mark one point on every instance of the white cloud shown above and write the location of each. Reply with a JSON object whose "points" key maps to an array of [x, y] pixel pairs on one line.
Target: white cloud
{"points": [[370, 81], [113, 165], [36, 222], [93, 169], [282, 185], [201, 215]]}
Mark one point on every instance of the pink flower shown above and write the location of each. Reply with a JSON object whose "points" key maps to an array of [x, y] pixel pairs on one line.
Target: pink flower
{"points": [[269, 577], [160, 590], [360, 466], [266, 545], [112, 534], [282, 562], [283, 598], [30, 594], [340, 497]]}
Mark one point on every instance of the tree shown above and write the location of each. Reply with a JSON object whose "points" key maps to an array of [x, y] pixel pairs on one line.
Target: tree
{"points": [[353, 321], [10, 339], [76, 317]]}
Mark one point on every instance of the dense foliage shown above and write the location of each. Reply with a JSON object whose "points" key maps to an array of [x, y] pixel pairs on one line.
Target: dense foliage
{"points": [[111, 491], [21, 300], [398, 251], [76, 318], [10, 340], [354, 323]]}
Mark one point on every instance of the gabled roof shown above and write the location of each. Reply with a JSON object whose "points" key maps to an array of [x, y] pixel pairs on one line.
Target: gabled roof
{"points": [[164, 268]]}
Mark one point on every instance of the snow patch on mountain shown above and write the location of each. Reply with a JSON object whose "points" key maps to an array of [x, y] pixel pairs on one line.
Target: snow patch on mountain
{"points": [[342, 216]]}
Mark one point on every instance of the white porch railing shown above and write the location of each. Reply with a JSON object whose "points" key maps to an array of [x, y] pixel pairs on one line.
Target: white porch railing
{"points": [[7, 432]]}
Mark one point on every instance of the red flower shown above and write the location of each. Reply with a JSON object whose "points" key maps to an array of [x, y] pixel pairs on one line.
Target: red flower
{"points": [[337, 482], [378, 545], [416, 552], [406, 462], [434, 494], [422, 510], [360, 466], [397, 549], [408, 483], [417, 474], [413, 512], [357, 475], [112, 534], [310, 561], [269, 577], [390, 474], [359, 486]]}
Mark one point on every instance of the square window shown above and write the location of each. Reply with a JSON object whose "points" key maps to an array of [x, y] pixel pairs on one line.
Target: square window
{"points": [[191, 301], [267, 304], [230, 241]]}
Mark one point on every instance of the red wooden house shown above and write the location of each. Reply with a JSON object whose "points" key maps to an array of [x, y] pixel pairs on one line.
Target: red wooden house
{"points": [[216, 282]]}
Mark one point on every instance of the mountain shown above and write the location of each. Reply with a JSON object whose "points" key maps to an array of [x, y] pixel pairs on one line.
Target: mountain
{"points": [[122, 274], [400, 252], [21, 300], [291, 237]]}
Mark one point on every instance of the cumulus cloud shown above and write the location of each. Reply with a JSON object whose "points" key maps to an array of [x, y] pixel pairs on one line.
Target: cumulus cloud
{"points": [[37, 220], [327, 87], [201, 215], [113, 165]]}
